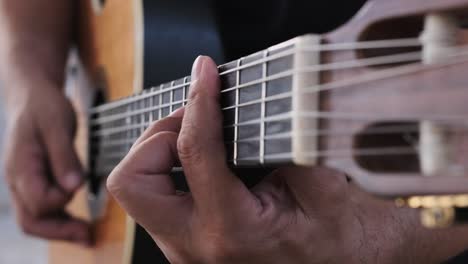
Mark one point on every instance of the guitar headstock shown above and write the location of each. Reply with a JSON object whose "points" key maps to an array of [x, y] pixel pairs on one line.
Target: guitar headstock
{"points": [[392, 109]]}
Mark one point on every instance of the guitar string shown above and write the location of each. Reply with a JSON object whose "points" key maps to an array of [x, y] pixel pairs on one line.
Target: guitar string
{"points": [[375, 76], [277, 117], [110, 161], [378, 44], [256, 158], [386, 151], [395, 43], [118, 117], [291, 114], [288, 135], [383, 60], [379, 75], [389, 129], [384, 130], [109, 164], [271, 158], [313, 89]]}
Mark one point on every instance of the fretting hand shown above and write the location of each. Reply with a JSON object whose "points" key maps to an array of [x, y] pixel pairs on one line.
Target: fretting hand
{"points": [[281, 220], [295, 215]]}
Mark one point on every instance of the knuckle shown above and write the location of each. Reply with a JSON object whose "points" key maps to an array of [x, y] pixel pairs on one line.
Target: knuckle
{"points": [[188, 147], [153, 127]]}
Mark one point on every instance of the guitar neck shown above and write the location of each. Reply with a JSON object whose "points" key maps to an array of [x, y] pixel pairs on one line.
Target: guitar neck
{"points": [[261, 104]]}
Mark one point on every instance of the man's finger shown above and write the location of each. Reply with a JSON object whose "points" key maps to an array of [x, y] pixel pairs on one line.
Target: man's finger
{"points": [[29, 183], [63, 159], [171, 123], [142, 185], [39, 197], [59, 226], [201, 147]]}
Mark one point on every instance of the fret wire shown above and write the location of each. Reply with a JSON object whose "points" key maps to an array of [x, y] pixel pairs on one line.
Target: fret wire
{"points": [[129, 133], [160, 102], [349, 64], [151, 102], [142, 105], [171, 107], [184, 95], [263, 110], [236, 114], [135, 131], [365, 45]]}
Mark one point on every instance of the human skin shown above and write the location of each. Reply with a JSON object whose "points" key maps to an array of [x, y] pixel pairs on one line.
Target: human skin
{"points": [[42, 168], [295, 215]]}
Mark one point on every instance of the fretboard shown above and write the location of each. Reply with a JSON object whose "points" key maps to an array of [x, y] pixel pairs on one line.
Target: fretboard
{"points": [[257, 104]]}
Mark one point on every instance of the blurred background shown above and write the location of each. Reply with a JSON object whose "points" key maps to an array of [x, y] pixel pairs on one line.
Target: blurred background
{"points": [[15, 247]]}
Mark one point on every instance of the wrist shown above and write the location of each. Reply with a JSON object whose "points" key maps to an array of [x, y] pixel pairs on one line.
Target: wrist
{"points": [[29, 68], [25, 92]]}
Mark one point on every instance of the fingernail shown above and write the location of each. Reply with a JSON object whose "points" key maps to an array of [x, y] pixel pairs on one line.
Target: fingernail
{"points": [[197, 68], [72, 181], [178, 113]]}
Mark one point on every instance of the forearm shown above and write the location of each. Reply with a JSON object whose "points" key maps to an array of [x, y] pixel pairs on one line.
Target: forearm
{"points": [[36, 35]]}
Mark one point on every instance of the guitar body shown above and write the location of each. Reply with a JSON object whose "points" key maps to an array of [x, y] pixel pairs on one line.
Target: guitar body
{"points": [[125, 45]]}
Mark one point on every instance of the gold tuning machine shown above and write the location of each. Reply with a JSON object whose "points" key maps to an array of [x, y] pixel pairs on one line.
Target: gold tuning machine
{"points": [[439, 211]]}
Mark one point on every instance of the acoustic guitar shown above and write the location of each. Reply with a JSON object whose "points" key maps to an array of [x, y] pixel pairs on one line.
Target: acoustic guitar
{"points": [[383, 98]]}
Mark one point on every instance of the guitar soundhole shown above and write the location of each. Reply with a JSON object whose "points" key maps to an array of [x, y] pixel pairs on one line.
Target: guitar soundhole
{"points": [[388, 148]]}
